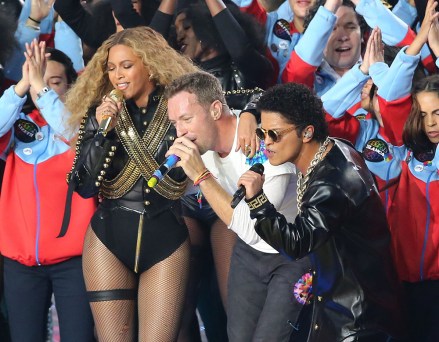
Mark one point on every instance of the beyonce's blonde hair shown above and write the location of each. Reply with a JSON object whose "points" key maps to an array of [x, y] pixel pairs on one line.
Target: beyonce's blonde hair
{"points": [[163, 62]]}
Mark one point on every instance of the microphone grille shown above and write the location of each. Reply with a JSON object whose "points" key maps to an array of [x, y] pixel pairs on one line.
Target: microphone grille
{"points": [[116, 95], [258, 168]]}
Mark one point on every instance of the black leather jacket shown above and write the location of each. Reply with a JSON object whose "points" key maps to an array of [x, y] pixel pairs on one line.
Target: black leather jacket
{"points": [[343, 228], [230, 77], [95, 154]]}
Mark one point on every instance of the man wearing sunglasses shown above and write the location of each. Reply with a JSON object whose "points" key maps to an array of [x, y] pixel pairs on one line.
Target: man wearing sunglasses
{"points": [[261, 281], [341, 224]]}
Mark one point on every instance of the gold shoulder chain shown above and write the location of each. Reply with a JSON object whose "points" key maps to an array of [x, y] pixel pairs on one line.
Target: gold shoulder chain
{"points": [[77, 146], [141, 150]]}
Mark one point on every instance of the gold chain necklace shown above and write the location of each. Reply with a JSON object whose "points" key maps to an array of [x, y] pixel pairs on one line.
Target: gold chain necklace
{"points": [[302, 181]]}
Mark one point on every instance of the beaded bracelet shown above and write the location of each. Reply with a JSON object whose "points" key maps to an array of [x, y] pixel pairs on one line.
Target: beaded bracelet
{"points": [[34, 20]]}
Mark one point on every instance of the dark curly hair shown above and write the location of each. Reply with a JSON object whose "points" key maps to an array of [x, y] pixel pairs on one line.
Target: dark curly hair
{"points": [[199, 17], [413, 134], [298, 105]]}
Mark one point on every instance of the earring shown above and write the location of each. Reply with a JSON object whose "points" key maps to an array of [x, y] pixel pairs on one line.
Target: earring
{"points": [[307, 134]]}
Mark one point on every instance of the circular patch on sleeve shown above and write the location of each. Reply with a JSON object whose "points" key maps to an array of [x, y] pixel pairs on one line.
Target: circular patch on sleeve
{"points": [[376, 150], [25, 130], [281, 29]]}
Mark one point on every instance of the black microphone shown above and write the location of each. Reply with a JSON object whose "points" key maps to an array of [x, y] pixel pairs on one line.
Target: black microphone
{"points": [[240, 193], [163, 169], [115, 95]]}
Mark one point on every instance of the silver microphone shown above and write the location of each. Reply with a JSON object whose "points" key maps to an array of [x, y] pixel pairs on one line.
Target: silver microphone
{"points": [[115, 95]]}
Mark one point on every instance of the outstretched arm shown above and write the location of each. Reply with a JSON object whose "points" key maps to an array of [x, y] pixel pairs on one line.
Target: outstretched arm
{"points": [[308, 53]]}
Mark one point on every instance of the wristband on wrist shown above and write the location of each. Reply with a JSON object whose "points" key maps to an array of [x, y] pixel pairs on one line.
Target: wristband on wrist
{"points": [[34, 20], [43, 91], [202, 177], [257, 201]]}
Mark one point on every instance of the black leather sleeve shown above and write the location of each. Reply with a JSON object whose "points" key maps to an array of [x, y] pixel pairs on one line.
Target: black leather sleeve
{"points": [[323, 210], [251, 62], [94, 158], [92, 28], [126, 14], [248, 103], [161, 23]]}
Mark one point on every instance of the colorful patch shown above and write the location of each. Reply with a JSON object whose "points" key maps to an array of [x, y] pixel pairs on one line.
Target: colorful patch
{"points": [[281, 29], [376, 150], [259, 157], [361, 116], [303, 289], [25, 131]]}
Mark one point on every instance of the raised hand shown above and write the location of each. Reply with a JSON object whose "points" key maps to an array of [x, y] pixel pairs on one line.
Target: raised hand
{"points": [[333, 5], [247, 140], [376, 47], [36, 59], [108, 108], [40, 9], [365, 64], [374, 51], [431, 16], [22, 86], [253, 182], [433, 34]]}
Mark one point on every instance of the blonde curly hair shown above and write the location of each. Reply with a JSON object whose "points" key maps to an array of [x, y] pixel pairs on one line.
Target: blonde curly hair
{"points": [[159, 58]]}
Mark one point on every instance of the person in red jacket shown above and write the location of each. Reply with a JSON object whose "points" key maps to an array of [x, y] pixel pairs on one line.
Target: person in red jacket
{"points": [[38, 156]]}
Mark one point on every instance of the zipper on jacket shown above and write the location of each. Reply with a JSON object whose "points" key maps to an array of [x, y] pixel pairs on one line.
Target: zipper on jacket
{"points": [[427, 226], [138, 244], [37, 201]]}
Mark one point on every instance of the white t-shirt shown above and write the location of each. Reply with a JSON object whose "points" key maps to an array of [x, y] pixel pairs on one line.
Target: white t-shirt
{"points": [[279, 187]]}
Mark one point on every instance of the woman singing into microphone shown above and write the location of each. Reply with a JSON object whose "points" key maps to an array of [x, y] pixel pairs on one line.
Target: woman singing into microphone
{"points": [[136, 251]]}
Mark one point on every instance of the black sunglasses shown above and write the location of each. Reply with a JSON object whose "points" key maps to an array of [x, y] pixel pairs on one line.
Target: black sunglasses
{"points": [[274, 135]]}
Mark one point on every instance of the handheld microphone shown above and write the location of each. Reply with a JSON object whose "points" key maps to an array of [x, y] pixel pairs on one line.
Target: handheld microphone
{"points": [[163, 169], [115, 95], [240, 193]]}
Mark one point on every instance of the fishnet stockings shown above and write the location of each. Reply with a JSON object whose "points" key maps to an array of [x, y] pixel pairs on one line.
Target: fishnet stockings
{"points": [[161, 291], [222, 241], [114, 320]]}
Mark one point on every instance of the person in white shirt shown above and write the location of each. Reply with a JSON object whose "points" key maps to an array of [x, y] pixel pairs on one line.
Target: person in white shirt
{"points": [[263, 285]]}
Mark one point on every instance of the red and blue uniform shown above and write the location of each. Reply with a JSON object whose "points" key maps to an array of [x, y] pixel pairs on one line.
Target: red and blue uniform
{"points": [[307, 65], [38, 157], [281, 35], [394, 100]]}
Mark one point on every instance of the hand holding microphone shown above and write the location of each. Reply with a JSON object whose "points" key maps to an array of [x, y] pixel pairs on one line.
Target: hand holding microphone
{"points": [[179, 148], [161, 172], [107, 112], [240, 193]]}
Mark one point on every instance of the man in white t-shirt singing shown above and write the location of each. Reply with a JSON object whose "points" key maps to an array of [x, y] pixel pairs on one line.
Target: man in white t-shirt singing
{"points": [[266, 290]]}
